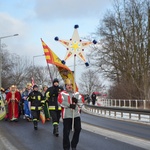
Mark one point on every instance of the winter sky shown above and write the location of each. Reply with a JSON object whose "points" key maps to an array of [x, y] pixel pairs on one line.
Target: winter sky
{"points": [[35, 19]]}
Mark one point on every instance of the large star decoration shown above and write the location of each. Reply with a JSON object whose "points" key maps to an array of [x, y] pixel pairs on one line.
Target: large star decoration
{"points": [[75, 46]]}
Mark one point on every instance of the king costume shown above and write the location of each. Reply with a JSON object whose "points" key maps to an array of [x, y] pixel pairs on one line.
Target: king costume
{"points": [[13, 98]]}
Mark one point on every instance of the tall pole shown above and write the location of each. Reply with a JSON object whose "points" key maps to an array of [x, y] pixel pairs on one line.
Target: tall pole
{"points": [[74, 73], [47, 67], [49, 72], [1, 55], [33, 63], [74, 88], [0, 64]]}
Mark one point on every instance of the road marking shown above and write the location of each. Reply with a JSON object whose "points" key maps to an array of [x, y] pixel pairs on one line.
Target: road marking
{"points": [[118, 136], [6, 144]]}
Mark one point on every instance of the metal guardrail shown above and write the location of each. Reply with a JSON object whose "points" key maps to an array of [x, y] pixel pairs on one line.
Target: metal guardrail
{"points": [[140, 115], [140, 104]]}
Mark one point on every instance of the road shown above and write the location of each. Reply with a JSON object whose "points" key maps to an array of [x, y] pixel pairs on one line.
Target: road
{"points": [[131, 128], [21, 136]]}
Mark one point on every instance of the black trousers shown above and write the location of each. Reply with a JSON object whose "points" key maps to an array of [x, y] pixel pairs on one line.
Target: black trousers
{"points": [[67, 123], [55, 114], [35, 114], [93, 101]]}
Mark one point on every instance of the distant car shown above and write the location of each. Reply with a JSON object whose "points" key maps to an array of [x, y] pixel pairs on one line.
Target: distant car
{"points": [[98, 93]]}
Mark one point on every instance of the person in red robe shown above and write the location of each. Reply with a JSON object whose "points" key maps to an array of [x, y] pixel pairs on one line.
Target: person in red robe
{"points": [[13, 98]]}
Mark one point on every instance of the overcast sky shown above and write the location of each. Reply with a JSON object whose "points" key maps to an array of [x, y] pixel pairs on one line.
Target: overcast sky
{"points": [[35, 19]]}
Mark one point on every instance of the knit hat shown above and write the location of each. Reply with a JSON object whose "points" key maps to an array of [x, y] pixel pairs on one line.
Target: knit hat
{"points": [[55, 80], [35, 86]]}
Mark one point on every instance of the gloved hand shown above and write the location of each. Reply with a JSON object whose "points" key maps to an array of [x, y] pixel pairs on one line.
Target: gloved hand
{"points": [[74, 100], [73, 106], [46, 101], [42, 107]]}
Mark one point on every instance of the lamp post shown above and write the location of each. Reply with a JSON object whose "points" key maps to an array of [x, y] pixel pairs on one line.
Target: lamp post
{"points": [[47, 66], [34, 66], [1, 55], [33, 62], [36, 56]]}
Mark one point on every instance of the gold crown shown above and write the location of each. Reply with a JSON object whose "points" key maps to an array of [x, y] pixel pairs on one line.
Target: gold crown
{"points": [[2, 89], [29, 84], [13, 86], [68, 81]]}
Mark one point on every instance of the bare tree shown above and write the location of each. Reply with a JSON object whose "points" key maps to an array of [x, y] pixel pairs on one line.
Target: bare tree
{"points": [[20, 71], [44, 75], [90, 82], [15, 69], [124, 53]]}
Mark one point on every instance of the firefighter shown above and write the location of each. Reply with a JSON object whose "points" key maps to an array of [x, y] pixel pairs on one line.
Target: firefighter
{"points": [[36, 101], [55, 110]]}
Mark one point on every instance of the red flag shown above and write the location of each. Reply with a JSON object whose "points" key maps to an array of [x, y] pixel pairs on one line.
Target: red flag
{"points": [[32, 82]]}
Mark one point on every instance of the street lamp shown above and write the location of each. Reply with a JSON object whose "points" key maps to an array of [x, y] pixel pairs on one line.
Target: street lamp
{"points": [[33, 62], [47, 66], [1, 55], [34, 66], [36, 56]]}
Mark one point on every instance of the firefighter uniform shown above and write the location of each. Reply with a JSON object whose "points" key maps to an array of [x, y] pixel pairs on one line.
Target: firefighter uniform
{"points": [[55, 110], [36, 101]]}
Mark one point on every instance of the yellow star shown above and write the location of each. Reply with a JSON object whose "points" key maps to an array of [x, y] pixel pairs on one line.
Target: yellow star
{"points": [[75, 46]]}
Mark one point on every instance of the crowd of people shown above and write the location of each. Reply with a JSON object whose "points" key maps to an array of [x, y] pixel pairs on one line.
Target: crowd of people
{"points": [[54, 100]]}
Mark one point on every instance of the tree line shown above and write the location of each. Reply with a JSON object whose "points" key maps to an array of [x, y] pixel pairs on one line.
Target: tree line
{"points": [[123, 52], [19, 70]]}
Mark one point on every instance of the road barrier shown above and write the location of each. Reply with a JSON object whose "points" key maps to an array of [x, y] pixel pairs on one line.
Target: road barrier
{"points": [[132, 103], [140, 115]]}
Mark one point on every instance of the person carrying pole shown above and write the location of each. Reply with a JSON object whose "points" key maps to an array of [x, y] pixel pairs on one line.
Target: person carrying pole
{"points": [[71, 103]]}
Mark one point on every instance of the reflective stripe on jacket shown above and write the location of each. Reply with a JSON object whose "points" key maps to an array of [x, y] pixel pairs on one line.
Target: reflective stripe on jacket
{"points": [[54, 108], [36, 108]]}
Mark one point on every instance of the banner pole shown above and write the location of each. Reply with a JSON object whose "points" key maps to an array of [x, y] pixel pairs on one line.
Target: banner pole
{"points": [[49, 73], [74, 88]]}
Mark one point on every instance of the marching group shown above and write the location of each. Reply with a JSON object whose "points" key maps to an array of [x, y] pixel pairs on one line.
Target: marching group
{"points": [[54, 100]]}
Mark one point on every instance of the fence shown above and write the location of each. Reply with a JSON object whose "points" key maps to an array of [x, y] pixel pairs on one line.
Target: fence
{"points": [[142, 104], [141, 115]]}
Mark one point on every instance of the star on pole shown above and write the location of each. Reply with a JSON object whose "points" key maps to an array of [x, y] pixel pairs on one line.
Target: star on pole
{"points": [[75, 46]]}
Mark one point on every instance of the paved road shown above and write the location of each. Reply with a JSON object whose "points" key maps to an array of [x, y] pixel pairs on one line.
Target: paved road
{"points": [[130, 128], [21, 136]]}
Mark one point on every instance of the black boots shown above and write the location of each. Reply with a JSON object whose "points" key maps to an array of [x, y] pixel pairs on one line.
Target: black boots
{"points": [[55, 130], [35, 125]]}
